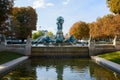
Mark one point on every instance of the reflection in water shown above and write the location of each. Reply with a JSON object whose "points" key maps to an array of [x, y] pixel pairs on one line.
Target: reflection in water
{"points": [[60, 69]]}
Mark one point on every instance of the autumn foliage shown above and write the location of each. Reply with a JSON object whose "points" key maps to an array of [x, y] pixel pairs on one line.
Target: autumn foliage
{"points": [[103, 28], [106, 27], [80, 30], [114, 6]]}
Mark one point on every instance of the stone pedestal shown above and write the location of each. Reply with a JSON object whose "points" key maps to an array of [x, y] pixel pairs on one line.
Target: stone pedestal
{"points": [[91, 48], [2, 47], [117, 45], [59, 36], [63, 51], [28, 47], [3, 40]]}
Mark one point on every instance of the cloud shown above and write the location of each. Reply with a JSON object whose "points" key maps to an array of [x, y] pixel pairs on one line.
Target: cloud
{"points": [[41, 4], [66, 2], [49, 4]]}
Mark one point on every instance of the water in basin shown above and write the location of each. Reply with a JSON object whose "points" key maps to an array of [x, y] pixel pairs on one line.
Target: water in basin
{"points": [[60, 69]]}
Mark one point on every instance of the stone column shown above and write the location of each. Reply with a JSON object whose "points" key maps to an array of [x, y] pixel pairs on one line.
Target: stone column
{"points": [[3, 40], [91, 47], [28, 46], [2, 43], [116, 43], [2, 47]]}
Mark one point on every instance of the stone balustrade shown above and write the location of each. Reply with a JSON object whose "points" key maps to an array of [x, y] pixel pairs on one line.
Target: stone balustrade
{"points": [[82, 51]]}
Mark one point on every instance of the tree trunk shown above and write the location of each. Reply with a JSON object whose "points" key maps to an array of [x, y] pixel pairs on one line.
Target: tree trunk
{"points": [[22, 40], [114, 41]]}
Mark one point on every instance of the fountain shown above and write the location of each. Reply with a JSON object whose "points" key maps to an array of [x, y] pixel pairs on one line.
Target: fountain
{"points": [[41, 68], [59, 39], [59, 46]]}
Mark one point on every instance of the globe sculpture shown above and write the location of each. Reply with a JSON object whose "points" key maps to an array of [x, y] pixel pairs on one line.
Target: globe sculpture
{"points": [[59, 39], [59, 34]]}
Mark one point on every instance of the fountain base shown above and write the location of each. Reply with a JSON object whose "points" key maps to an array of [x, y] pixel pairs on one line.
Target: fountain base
{"points": [[72, 51]]}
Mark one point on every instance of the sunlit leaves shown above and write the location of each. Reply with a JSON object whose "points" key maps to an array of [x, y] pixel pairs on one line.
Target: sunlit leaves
{"points": [[37, 34], [107, 26], [40, 33], [80, 30], [114, 6]]}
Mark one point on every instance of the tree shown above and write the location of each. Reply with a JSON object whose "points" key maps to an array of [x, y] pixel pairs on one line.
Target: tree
{"points": [[5, 12], [37, 34], [80, 30], [106, 27], [24, 21], [50, 34], [40, 33], [117, 25], [114, 6], [103, 27]]}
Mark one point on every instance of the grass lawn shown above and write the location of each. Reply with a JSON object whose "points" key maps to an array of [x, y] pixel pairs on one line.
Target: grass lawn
{"points": [[6, 56], [113, 56]]}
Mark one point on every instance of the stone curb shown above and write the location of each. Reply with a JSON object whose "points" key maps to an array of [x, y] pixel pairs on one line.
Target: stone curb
{"points": [[110, 65], [4, 68]]}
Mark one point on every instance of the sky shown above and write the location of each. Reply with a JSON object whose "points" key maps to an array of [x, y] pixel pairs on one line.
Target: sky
{"points": [[71, 10]]}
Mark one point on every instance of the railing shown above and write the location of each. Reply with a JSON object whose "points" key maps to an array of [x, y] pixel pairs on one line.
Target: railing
{"points": [[105, 46], [16, 46]]}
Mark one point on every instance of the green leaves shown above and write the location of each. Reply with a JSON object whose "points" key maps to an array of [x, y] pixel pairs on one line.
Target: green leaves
{"points": [[5, 12], [37, 34], [24, 21], [40, 33]]}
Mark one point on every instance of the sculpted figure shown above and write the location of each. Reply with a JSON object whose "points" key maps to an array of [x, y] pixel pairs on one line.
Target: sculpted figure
{"points": [[59, 35], [60, 22]]}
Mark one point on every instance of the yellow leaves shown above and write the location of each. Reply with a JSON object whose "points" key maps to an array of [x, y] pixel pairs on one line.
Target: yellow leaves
{"points": [[114, 6]]}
